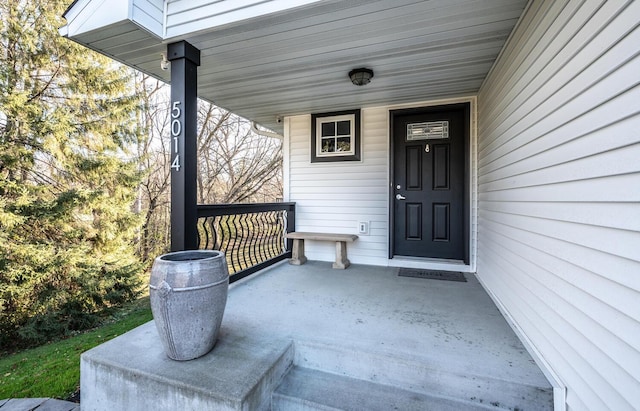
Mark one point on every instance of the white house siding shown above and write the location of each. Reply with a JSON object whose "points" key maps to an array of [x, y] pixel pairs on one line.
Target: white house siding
{"points": [[119, 17], [149, 14], [86, 16], [559, 193], [189, 16], [334, 197]]}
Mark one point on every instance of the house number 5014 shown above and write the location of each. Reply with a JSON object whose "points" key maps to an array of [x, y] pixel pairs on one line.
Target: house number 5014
{"points": [[176, 130]]}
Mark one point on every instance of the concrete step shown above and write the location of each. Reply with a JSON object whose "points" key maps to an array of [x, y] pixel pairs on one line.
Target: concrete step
{"points": [[305, 390], [436, 378]]}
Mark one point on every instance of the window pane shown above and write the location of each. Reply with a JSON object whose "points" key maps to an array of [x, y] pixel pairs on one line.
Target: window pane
{"points": [[344, 144], [344, 128], [328, 145], [329, 129], [428, 130]]}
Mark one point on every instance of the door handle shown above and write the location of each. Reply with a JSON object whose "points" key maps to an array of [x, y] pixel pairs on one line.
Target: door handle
{"points": [[400, 197]]}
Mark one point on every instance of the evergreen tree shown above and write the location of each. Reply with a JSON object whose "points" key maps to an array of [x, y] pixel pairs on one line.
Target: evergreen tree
{"points": [[66, 184]]}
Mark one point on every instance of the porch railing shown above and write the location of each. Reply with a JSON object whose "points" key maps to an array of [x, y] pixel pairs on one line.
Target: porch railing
{"points": [[250, 235]]}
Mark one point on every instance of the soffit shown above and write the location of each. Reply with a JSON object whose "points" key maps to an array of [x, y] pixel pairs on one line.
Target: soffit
{"points": [[296, 61]]}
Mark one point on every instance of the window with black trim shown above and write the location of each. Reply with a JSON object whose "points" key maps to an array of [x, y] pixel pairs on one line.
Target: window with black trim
{"points": [[335, 136]]}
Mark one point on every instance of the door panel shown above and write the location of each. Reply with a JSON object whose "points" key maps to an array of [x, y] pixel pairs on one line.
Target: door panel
{"points": [[429, 183], [441, 220], [414, 168], [441, 167], [414, 222]]}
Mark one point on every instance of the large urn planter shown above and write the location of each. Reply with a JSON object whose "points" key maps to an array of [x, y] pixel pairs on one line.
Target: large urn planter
{"points": [[188, 291]]}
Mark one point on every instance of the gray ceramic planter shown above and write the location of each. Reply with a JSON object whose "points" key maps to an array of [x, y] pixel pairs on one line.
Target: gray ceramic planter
{"points": [[188, 291]]}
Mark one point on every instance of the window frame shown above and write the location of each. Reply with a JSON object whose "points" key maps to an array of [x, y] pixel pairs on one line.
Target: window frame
{"points": [[316, 136]]}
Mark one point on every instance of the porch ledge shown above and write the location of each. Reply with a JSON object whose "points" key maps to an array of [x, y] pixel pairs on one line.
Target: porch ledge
{"points": [[133, 372]]}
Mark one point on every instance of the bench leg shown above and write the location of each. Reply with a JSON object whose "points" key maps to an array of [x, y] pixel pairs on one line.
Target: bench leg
{"points": [[341, 256], [297, 253]]}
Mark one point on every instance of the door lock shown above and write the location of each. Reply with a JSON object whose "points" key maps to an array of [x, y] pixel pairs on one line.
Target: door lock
{"points": [[400, 197]]}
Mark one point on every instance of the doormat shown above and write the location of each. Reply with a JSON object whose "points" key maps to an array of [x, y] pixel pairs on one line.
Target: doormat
{"points": [[432, 274]]}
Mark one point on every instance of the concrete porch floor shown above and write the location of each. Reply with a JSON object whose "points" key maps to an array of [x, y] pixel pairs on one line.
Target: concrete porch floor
{"points": [[430, 341]]}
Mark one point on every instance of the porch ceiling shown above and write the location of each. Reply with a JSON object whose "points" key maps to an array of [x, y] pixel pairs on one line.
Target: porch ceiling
{"points": [[296, 61]]}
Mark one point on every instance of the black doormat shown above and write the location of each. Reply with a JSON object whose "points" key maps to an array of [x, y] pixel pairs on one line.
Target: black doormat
{"points": [[432, 274]]}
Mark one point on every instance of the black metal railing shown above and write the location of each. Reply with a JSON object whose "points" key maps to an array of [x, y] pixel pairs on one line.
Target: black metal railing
{"points": [[250, 235]]}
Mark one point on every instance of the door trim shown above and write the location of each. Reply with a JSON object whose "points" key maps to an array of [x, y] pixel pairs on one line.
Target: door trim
{"points": [[468, 104]]}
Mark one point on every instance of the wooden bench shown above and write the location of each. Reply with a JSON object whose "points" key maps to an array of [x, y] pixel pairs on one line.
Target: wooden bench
{"points": [[341, 240]]}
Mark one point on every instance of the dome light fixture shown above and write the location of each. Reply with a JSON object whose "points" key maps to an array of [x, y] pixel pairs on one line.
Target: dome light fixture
{"points": [[361, 76]]}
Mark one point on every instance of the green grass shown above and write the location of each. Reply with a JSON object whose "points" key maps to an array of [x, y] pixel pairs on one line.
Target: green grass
{"points": [[53, 370]]}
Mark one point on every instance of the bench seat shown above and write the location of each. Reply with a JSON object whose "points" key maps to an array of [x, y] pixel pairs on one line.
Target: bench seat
{"points": [[341, 240]]}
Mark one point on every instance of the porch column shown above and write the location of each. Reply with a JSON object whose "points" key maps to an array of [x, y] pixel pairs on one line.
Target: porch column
{"points": [[185, 60]]}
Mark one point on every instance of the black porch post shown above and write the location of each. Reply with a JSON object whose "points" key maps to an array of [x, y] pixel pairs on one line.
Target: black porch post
{"points": [[185, 60]]}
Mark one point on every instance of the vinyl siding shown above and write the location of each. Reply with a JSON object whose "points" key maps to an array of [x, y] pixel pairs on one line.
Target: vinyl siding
{"points": [[189, 16], [334, 197], [86, 16], [559, 193], [103, 24], [149, 14]]}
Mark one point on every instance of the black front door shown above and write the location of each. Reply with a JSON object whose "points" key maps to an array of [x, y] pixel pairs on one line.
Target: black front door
{"points": [[429, 184]]}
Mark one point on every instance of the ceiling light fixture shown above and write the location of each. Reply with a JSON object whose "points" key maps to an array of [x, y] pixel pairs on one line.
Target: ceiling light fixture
{"points": [[361, 76]]}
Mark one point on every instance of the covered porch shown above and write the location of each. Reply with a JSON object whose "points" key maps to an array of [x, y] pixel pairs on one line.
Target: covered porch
{"points": [[299, 337], [551, 204]]}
